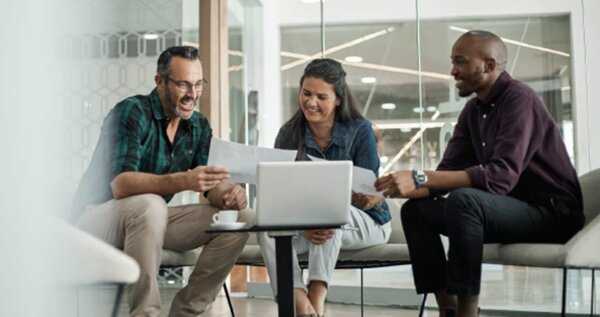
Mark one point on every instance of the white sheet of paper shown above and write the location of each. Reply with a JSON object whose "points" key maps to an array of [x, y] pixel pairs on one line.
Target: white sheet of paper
{"points": [[362, 179], [242, 160]]}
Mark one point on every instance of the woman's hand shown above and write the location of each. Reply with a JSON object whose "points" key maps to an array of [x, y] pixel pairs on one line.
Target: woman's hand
{"points": [[363, 201], [319, 236]]}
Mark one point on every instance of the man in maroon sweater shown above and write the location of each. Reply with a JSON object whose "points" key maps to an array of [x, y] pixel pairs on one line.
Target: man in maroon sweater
{"points": [[507, 172]]}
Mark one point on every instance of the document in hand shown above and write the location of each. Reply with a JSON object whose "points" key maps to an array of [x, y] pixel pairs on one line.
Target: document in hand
{"points": [[242, 160], [362, 179]]}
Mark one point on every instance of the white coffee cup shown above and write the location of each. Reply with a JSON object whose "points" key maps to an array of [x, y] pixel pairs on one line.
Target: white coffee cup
{"points": [[226, 216]]}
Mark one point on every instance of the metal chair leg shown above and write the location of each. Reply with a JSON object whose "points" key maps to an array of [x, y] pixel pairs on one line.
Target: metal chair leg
{"points": [[564, 294], [228, 300], [422, 308], [120, 289], [593, 301], [362, 310]]}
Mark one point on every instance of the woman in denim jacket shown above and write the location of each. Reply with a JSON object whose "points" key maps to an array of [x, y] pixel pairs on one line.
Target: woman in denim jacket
{"points": [[329, 126]]}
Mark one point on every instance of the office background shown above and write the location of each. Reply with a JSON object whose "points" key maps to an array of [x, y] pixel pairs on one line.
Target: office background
{"points": [[67, 63]]}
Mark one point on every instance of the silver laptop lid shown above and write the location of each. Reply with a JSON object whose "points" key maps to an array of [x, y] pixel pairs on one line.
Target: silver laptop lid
{"points": [[303, 193]]}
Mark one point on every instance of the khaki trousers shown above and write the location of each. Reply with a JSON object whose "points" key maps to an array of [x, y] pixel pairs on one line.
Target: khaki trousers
{"points": [[142, 225]]}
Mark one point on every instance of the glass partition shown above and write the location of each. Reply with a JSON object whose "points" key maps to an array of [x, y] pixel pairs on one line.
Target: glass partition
{"points": [[301, 42], [538, 54], [237, 88]]}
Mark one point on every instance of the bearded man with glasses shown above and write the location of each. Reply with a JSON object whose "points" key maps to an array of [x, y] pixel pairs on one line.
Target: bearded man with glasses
{"points": [[152, 147]]}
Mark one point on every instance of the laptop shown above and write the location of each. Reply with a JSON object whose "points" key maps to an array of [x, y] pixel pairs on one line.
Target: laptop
{"points": [[303, 195]]}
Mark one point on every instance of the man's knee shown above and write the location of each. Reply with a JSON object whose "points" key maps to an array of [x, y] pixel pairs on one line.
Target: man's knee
{"points": [[462, 201], [149, 211], [409, 211]]}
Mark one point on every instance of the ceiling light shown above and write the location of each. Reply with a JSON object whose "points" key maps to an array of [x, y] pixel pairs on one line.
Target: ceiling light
{"points": [[353, 59], [417, 109], [368, 80], [340, 47], [518, 43], [150, 36], [388, 106], [311, 1], [304, 58], [431, 109]]}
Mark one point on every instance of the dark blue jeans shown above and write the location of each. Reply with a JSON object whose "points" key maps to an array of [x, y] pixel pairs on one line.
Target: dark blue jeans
{"points": [[470, 218]]}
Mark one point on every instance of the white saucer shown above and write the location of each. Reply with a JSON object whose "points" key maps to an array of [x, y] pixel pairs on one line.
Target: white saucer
{"points": [[228, 225]]}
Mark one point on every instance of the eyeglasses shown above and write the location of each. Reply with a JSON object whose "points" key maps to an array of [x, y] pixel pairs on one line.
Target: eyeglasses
{"points": [[185, 86]]}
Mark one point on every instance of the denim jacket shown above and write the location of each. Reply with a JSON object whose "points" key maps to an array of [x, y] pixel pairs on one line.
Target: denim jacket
{"points": [[354, 141]]}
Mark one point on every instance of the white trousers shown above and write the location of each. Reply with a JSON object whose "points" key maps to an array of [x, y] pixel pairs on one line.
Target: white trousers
{"points": [[323, 257]]}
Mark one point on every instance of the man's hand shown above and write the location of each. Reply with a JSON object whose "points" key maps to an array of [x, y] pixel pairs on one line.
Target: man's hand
{"points": [[397, 184], [363, 201], [235, 198], [228, 196], [319, 236], [204, 178]]}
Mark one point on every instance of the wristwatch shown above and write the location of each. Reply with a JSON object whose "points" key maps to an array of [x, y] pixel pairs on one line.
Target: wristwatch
{"points": [[420, 178]]}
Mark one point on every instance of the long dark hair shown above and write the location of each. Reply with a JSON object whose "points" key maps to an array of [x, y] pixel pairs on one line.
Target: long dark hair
{"points": [[331, 72]]}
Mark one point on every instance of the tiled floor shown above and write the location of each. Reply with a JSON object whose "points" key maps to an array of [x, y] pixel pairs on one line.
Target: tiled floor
{"points": [[253, 307], [506, 291]]}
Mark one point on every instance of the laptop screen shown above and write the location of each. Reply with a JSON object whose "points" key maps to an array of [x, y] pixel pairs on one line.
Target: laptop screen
{"points": [[303, 193]]}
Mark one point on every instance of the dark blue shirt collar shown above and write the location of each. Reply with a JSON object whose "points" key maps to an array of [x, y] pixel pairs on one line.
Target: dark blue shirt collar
{"points": [[338, 137]]}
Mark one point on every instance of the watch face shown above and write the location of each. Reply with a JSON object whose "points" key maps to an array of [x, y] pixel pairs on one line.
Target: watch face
{"points": [[420, 178]]}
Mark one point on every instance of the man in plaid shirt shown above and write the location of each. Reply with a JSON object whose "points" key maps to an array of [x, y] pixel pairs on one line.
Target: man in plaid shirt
{"points": [[152, 147]]}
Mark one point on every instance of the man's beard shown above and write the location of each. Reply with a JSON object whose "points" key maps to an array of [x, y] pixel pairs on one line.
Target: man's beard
{"points": [[172, 104], [477, 80], [465, 93]]}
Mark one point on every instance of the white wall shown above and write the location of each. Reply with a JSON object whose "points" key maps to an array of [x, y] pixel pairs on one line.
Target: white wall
{"points": [[588, 121], [270, 108]]}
